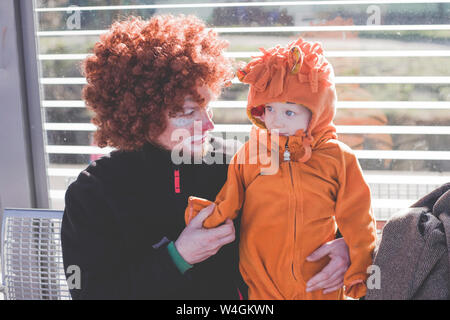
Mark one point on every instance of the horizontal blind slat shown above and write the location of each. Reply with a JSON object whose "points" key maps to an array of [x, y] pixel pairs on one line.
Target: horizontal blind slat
{"points": [[243, 128], [376, 203], [243, 103], [354, 104], [338, 80], [423, 27], [237, 4], [333, 54], [372, 178], [361, 154]]}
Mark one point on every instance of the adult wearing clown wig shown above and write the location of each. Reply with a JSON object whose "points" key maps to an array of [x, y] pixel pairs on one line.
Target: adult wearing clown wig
{"points": [[123, 223]]}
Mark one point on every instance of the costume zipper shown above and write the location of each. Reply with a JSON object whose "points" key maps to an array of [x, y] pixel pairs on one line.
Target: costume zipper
{"points": [[287, 158], [286, 154]]}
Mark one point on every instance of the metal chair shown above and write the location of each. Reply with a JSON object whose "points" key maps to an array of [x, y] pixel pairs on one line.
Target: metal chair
{"points": [[32, 265]]}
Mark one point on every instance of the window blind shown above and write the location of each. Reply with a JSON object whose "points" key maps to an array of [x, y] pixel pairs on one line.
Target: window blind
{"points": [[391, 60]]}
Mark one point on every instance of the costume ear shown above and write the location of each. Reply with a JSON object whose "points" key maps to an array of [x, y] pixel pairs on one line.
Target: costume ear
{"points": [[258, 112], [261, 117]]}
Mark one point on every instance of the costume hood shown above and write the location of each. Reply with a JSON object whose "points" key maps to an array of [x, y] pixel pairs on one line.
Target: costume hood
{"points": [[298, 73]]}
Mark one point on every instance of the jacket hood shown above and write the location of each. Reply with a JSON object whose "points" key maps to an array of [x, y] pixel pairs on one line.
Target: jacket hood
{"points": [[298, 73]]}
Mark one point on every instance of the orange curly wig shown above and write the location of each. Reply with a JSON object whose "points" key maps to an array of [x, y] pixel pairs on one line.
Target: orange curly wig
{"points": [[142, 69]]}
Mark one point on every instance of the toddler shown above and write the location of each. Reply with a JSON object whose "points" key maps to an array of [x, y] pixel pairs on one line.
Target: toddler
{"points": [[318, 186]]}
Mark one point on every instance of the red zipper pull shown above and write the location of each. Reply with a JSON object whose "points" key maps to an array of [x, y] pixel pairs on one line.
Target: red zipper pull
{"points": [[176, 174]]}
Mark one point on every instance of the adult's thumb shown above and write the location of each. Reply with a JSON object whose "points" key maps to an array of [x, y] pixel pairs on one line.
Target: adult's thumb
{"points": [[319, 253]]}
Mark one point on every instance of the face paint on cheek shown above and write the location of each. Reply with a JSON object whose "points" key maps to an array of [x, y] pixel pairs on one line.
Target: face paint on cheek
{"points": [[181, 122]]}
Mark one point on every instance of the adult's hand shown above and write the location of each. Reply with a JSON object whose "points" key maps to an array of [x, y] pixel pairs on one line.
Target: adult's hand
{"points": [[196, 244], [331, 277]]}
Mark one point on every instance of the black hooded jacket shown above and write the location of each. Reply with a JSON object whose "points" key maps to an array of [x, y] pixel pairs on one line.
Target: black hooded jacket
{"points": [[120, 215]]}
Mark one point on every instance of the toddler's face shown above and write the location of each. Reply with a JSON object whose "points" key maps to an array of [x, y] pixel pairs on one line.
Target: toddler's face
{"points": [[288, 118]]}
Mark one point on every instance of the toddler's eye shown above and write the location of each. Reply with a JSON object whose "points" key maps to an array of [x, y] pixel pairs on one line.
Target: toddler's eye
{"points": [[269, 108], [290, 113]]}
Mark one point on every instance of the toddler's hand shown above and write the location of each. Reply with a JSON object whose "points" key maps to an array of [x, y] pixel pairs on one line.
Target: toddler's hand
{"points": [[196, 244]]}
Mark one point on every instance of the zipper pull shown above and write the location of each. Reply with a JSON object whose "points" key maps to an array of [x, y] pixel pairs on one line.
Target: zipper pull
{"points": [[287, 154]]}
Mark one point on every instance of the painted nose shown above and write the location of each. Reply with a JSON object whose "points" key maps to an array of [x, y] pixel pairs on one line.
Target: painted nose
{"points": [[207, 122]]}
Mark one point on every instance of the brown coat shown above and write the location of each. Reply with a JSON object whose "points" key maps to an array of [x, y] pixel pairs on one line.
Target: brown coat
{"points": [[413, 255]]}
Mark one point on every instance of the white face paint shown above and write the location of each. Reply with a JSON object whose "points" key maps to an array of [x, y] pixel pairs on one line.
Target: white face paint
{"points": [[191, 112], [181, 122], [195, 121]]}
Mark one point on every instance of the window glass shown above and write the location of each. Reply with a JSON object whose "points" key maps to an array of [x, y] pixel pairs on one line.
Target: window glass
{"points": [[392, 65]]}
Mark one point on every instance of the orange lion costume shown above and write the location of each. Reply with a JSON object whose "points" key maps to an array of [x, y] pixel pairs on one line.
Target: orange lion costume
{"points": [[318, 185]]}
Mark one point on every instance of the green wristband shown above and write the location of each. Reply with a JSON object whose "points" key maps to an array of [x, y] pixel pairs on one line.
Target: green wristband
{"points": [[181, 264]]}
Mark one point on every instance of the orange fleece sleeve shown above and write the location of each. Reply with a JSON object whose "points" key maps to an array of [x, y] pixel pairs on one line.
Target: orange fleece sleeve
{"points": [[354, 217], [228, 201]]}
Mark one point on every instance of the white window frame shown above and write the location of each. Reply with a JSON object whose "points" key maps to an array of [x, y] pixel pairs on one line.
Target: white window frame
{"points": [[23, 180]]}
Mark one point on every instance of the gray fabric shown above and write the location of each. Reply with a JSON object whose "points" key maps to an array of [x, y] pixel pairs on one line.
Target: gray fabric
{"points": [[413, 255]]}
